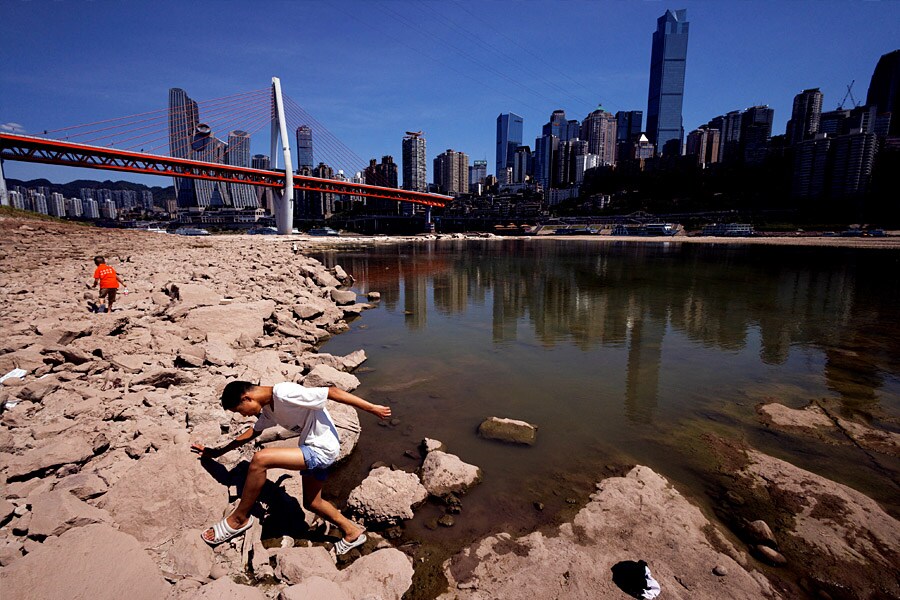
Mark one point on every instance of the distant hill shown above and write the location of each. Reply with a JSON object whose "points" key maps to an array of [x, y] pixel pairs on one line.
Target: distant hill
{"points": [[73, 188]]}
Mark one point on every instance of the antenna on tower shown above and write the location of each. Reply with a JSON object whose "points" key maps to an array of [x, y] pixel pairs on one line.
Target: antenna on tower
{"points": [[849, 93]]}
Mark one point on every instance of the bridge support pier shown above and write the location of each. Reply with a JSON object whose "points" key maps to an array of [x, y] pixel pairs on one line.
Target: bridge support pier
{"points": [[4, 195], [284, 206]]}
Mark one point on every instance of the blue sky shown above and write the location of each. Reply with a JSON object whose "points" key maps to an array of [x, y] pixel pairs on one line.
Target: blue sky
{"points": [[371, 70]]}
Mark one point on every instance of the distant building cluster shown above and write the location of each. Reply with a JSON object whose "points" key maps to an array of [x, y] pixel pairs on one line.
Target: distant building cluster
{"points": [[91, 204]]}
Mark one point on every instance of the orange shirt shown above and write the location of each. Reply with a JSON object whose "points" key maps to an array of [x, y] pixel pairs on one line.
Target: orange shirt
{"points": [[107, 276]]}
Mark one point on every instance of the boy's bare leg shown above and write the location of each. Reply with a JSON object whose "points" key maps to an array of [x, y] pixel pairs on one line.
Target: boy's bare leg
{"points": [[312, 499], [269, 458]]}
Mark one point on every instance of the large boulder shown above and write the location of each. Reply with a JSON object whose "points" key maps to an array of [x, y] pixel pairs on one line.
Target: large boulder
{"points": [[341, 363], [342, 297], [315, 587], [58, 451], [55, 512], [95, 562], [194, 294], [386, 574], [508, 430], [190, 556], [231, 320], [265, 367], [386, 496], [444, 473], [163, 494], [325, 376], [844, 539], [164, 378], [224, 589], [297, 564], [636, 517]]}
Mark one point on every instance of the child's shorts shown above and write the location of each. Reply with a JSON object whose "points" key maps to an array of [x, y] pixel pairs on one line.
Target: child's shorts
{"points": [[315, 465]]}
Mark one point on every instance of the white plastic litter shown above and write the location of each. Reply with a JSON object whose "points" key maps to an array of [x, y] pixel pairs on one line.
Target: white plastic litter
{"points": [[14, 374], [652, 590]]}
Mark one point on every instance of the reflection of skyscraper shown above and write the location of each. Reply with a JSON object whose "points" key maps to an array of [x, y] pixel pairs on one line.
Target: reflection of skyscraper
{"points": [[304, 147], [415, 300], [509, 137], [644, 355], [242, 194], [667, 67]]}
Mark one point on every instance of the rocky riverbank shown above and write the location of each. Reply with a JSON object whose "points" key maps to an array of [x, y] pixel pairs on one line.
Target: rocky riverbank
{"points": [[99, 489]]}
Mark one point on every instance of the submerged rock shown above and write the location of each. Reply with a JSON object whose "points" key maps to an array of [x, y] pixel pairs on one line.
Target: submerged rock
{"points": [[508, 430]]}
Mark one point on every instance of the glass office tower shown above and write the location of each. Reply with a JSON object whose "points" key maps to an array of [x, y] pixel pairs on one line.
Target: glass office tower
{"points": [[509, 137], [667, 66]]}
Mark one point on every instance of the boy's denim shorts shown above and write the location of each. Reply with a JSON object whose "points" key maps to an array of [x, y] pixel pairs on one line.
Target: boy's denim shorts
{"points": [[315, 466]]}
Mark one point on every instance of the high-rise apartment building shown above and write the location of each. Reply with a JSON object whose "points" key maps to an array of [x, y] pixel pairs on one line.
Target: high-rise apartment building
{"points": [[451, 172], [522, 164], [384, 174], [805, 115], [207, 147], [628, 130], [599, 130], [667, 67], [305, 147], [884, 89], [756, 129], [238, 155], [415, 171], [509, 137], [703, 144]]}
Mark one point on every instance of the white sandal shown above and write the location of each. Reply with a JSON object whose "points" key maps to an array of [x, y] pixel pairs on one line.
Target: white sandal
{"points": [[342, 546], [223, 531]]}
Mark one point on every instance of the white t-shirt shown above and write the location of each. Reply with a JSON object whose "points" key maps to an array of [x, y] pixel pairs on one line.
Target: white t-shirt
{"points": [[302, 410]]}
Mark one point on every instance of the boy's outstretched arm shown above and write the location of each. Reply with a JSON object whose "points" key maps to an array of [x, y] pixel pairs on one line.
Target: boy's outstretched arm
{"points": [[339, 395], [237, 442]]}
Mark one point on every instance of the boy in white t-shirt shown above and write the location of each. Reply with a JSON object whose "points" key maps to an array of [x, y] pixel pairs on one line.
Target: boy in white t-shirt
{"points": [[300, 409]]}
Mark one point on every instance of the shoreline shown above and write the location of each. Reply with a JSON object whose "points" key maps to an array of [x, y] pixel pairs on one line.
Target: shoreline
{"points": [[887, 243]]}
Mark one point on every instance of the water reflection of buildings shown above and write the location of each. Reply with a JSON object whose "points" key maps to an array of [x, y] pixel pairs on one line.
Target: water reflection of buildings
{"points": [[616, 295]]}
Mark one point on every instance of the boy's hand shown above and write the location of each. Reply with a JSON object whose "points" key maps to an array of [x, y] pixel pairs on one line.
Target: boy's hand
{"points": [[205, 452], [382, 412]]}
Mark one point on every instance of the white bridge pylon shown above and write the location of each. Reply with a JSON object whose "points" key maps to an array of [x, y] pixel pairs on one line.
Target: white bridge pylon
{"points": [[284, 206]]}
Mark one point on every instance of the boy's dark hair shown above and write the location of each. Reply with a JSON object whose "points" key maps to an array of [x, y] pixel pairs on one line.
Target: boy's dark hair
{"points": [[231, 395], [99, 260]]}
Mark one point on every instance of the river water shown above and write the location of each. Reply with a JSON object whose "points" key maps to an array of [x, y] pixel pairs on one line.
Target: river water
{"points": [[621, 353]]}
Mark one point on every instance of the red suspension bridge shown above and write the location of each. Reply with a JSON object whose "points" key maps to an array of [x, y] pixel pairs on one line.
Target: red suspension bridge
{"points": [[119, 145]]}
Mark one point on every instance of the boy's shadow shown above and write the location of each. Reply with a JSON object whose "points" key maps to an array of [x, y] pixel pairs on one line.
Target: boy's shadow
{"points": [[279, 512]]}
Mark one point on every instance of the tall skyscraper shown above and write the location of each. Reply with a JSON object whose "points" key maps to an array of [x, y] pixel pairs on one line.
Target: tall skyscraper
{"points": [[599, 131], [805, 115], [451, 172], [509, 137], [628, 130], [304, 147], [756, 129], [242, 194], [522, 164], [477, 174], [183, 119], [884, 89], [703, 143], [415, 173], [667, 67], [383, 174], [207, 147]]}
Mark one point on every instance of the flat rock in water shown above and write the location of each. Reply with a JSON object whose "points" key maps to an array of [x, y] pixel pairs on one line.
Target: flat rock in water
{"points": [[508, 430], [342, 297], [95, 562]]}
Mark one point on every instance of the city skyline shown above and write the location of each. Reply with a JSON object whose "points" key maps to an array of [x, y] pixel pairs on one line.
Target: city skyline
{"points": [[53, 85]]}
